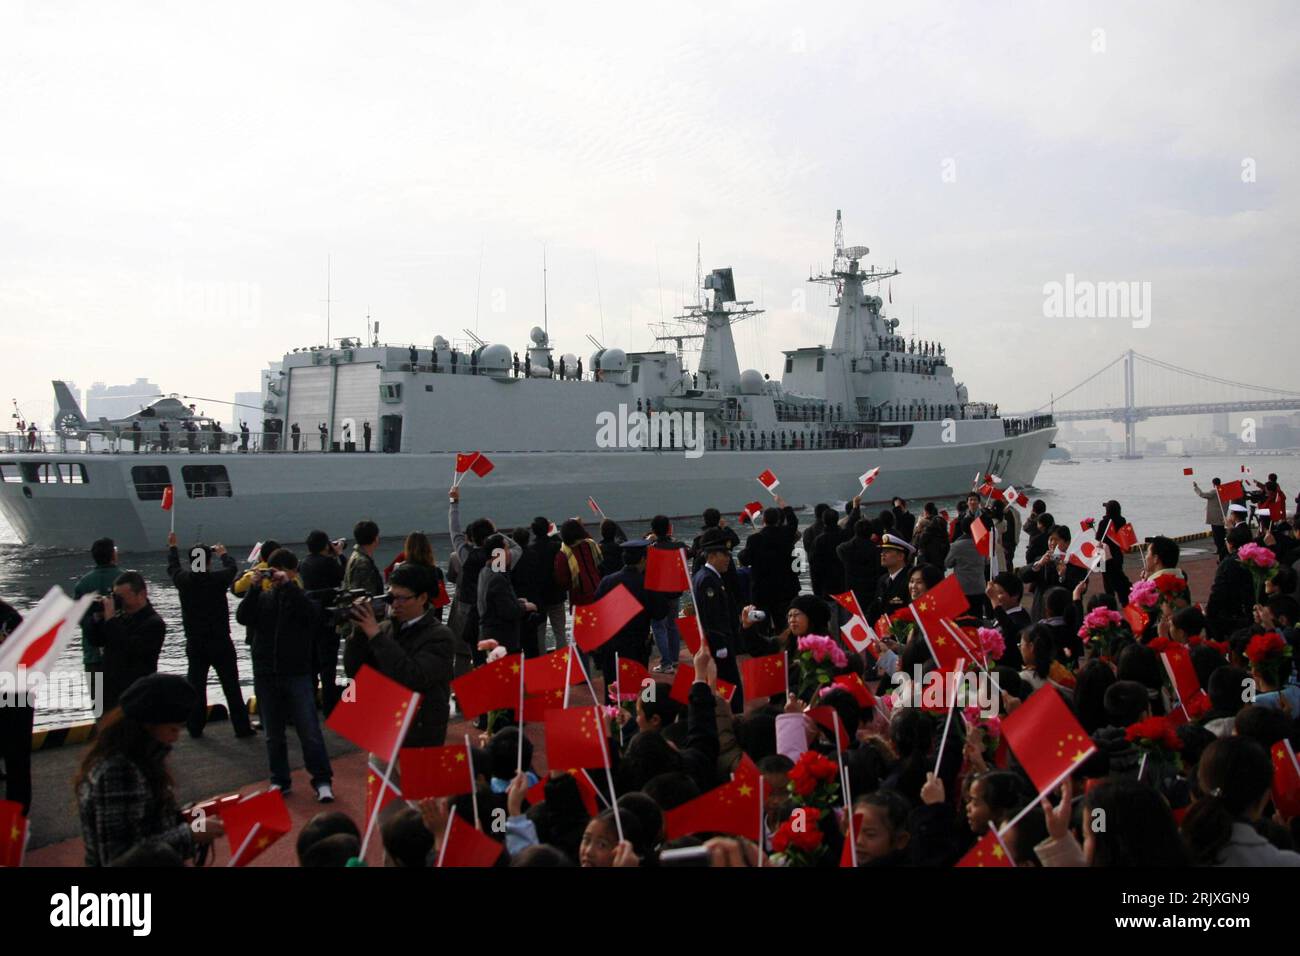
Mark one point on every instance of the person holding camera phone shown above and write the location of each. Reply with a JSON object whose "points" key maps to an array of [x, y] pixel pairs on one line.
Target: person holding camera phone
{"points": [[284, 622], [131, 634]]}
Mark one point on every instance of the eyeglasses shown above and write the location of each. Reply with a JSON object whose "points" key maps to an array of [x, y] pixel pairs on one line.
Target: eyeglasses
{"points": [[400, 598]]}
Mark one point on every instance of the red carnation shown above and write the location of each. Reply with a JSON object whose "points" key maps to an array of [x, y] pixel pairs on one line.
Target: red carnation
{"points": [[806, 840], [1264, 646], [816, 766], [1170, 585], [802, 781], [1159, 644], [1155, 731]]}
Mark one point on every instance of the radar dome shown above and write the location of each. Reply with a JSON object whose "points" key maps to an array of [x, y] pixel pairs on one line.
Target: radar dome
{"points": [[538, 335], [439, 342], [751, 382], [494, 358], [570, 365], [593, 361]]}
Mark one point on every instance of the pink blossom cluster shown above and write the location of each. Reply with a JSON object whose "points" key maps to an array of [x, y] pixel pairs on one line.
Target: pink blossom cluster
{"points": [[822, 647], [1101, 618], [1256, 554], [1144, 593], [992, 643]]}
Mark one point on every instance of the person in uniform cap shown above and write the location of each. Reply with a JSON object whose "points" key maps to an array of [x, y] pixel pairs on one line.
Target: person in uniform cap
{"points": [[716, 611], [891, 587]]}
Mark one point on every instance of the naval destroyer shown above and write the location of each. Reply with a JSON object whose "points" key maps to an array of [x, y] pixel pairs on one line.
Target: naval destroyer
{"points": [[372, 430]]}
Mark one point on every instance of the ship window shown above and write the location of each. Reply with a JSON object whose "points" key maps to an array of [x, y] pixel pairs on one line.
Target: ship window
{"points": [[39, 473], [789, 364], [391, 392], [72, 473], [636, 371], [9, 473], [150, 480], [820, 362], [206, 481]]}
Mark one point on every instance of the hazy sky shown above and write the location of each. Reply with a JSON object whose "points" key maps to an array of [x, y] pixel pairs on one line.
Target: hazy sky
{"points": [[174, 176]]}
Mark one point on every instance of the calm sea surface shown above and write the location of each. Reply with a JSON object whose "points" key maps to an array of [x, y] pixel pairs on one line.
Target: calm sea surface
{"points": [[1155, 496]]}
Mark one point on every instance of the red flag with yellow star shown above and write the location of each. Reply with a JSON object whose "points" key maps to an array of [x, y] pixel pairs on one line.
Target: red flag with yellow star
{"points": [[586, 790], [764, 676], [987, 852], [549, 672], [666, 570], [1046, 738], [945, 599], [375, 779], [493, 686], [849, 601], [730, 808], [435, 771], [536, 706], [374, 712], [685, 677], [632, 676], [575, 738], [597, 622], [254, 823], [13, 833], [1286, 779], [689, 628]]}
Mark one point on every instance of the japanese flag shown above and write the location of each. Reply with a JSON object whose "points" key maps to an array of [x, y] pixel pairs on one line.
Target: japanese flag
{"points": [[38, 641], [857, 634], [868, 478], [1018, 500], [1086, 552]]}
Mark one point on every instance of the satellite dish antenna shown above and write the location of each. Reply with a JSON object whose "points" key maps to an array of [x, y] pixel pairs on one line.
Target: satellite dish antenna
{"points": [[856, 252]]}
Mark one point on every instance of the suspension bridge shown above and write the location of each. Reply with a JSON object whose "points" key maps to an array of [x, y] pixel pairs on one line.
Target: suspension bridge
{"points": [[1152, 388]]}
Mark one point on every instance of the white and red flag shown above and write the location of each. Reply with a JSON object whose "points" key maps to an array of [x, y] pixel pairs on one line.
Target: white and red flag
{"points": [[868, 478], [595, 508], [768, 481], [751, 512], [46, 630], [1086, 553]]}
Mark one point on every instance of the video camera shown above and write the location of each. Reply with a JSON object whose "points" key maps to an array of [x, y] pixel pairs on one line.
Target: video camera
{"points": [[336, 603]]}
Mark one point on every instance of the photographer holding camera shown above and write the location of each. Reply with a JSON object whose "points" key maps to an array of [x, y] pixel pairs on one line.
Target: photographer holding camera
{"points": [[205, 616], [284, 625], [131, 634], [411, 647]]}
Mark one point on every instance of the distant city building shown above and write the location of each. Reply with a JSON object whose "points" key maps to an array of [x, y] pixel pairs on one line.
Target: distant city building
{"points": [[118, 401]]}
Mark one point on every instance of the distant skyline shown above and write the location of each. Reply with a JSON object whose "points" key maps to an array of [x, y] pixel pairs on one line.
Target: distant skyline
{"points": [[175, 179]]}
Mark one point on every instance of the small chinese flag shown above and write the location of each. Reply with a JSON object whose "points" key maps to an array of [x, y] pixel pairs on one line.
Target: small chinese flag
{"points": [[666, 570], [689, 628], [768, 481], [168, 498], [466, 846], [1230, 491], [1286, 779], [1046, 738], [13, 833], [685, 677], [945, 599], [850, 840], [849, 601], [1087, 524], [493, 686], [575, 738], [481, 465], [826, 719], [980, 535], [1136, 617], [730, 808], [1187, 472], [586, 790], [550, 671], [374, 712], [463, 461], [751, 511], [254, 823], [764, 676], [536, 706], [632, 676], [1124, 537], [443, 598], [853, 684], [987, 852], [597, 622], [1178, 663], [435, 771]]}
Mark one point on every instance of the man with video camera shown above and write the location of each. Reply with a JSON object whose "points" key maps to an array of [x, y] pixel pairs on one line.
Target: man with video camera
{"points": [[131, 634], [410, 646], [284, 625]]}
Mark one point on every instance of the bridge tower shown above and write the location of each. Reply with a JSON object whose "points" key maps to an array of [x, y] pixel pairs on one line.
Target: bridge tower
{"points": [[1130, 407]]}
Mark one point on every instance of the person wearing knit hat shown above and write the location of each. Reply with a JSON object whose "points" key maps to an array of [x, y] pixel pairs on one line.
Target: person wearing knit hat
{"points": [[808, 614], [124, 790]]}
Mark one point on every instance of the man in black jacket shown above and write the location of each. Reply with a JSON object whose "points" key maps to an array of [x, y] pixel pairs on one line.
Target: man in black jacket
{"points": [[1232, 595], [284, 625], [500, 610], [205, 616], [132, 638], [717, 614], [891, 587], [322, 575], [860, 558], [769, 554], [904, 520], [632, 641], [712, 519], [825, 568], [412, 648]]}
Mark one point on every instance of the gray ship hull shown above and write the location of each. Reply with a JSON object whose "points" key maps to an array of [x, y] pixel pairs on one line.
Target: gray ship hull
{"points": [[284, 496]]}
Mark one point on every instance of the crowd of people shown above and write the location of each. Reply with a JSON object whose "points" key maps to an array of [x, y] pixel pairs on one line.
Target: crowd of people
{"points": [[1183, 781]]}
